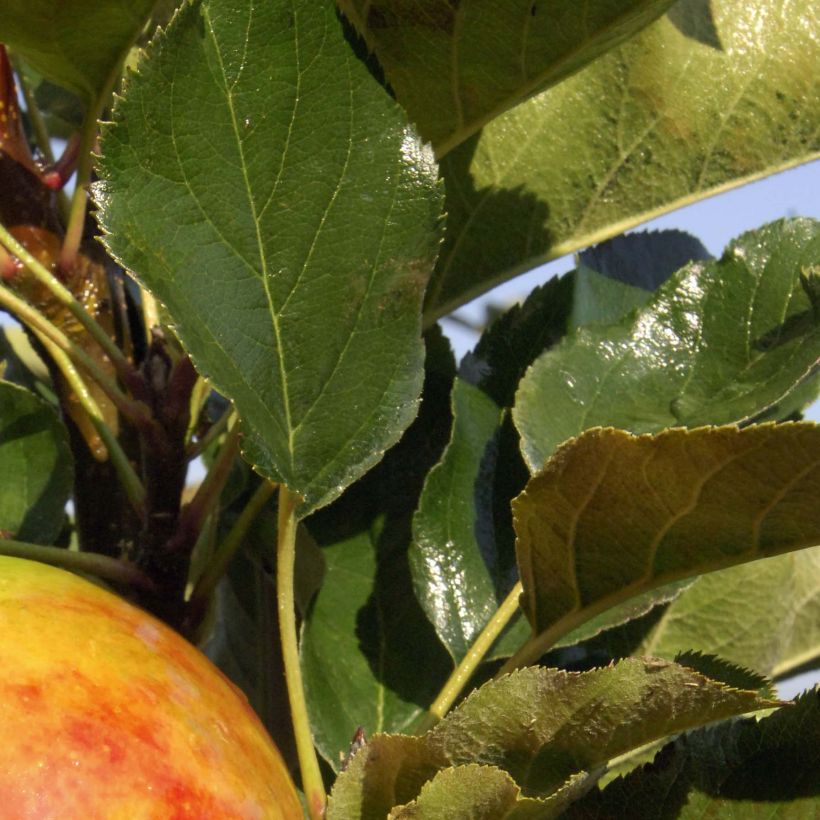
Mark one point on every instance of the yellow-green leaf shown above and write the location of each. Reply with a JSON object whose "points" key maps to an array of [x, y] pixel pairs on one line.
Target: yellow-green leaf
{"points": [[665, 119], [455, 66], [552, 731], [612, 515]]}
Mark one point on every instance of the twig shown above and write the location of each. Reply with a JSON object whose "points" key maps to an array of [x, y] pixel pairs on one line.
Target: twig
{"points": [[101, 566], [134, 411]]}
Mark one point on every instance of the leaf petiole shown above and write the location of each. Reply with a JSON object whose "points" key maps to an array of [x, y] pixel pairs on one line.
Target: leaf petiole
{"points": [[312, 782], [464, 671]]}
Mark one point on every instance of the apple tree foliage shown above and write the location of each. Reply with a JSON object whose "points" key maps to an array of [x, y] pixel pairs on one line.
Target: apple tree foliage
{"points": [[557, 578]]}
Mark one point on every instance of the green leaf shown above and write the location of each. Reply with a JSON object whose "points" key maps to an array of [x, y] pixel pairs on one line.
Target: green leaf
{"points": [[764, 616], [685, 502], [740, 770], [481, 476], [455, 66], [366, 648], [721, 670], [663, 120], [543, 727], [370, 657], [453, 555], [264, 186], [36, 468], [77, 44], [471, 792], [617, 276], [681, 360], [517, 337]]}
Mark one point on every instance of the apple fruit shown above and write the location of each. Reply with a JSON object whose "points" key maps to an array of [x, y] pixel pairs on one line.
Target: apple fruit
{"points": [[105, 712]]}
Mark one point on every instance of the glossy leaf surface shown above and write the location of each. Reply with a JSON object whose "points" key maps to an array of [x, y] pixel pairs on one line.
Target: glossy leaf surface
{"points": [[75, 43], [36, 465], [453, 556], [617, 276], [263, 185], [709, 96], [669, 494], [720, 342], [544, 727], [455, 66], [481, 473]]}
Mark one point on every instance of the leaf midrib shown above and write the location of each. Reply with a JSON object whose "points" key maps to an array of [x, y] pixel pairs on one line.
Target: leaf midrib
{"points": [[263, 262]]}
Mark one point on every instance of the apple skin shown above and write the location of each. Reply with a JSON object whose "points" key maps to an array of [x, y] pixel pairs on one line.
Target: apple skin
{"points": [[107, 713]]}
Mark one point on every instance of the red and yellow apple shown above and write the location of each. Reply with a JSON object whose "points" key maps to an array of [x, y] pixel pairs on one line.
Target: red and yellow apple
{"points": [[107, 713]]}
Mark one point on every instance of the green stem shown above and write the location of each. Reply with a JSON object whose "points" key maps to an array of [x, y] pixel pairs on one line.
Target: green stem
{"points": [[214, 431], [463, 672], [34, 116], [135, 411], [312, 783], [67, 299], [199, 395], [218, 564], [206, 498], [85, 166], [41, 136], [128, 477], [101, 566]]}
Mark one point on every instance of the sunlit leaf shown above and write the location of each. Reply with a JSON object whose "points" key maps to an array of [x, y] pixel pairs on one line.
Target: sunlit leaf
{"points": [[720, 342], [764, 616], [453, 556], [741, 770], [265, 187], [455, 66], [612, 515], [471, 792], [665, 119], [544, 727]]}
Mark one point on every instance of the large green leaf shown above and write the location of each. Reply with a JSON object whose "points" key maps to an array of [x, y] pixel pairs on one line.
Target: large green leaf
{"points": [[685, 502], [455, 66], [370, 657], [264, 186], [664, 119], [75, 43], [720, 342], [764, 616], [36, 469], [546, 728], [740, 770], [610, 280]]}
